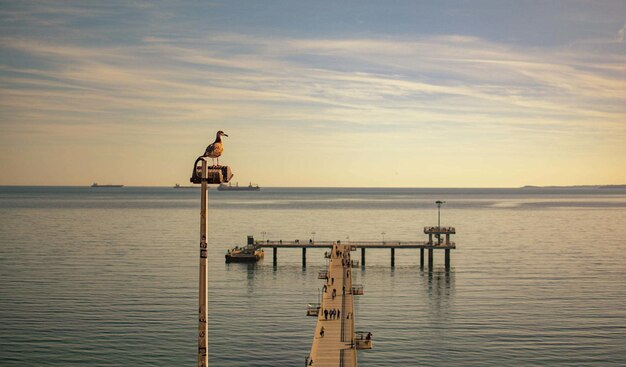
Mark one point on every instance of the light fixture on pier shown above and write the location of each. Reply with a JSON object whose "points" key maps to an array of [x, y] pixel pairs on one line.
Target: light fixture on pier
{"points": [[439, 204]]}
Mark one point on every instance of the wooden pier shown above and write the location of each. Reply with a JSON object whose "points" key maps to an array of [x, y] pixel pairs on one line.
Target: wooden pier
{"points": [[438, 239], [335, 341]]}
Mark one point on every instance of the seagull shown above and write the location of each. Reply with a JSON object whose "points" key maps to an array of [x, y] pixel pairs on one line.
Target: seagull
{"points": [[215, 149]]}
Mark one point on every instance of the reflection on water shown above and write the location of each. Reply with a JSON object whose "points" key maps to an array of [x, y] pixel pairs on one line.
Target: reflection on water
{"points": [[438, 284]]}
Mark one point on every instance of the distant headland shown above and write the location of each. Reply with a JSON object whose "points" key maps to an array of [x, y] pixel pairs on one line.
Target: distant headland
{"points": [[576, 187]]}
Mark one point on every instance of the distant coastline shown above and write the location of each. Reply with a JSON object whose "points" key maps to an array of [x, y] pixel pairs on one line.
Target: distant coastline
{"points": [[576, 187]]}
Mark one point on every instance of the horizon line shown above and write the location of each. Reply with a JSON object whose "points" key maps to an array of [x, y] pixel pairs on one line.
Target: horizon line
{"points": [[358, 187]]}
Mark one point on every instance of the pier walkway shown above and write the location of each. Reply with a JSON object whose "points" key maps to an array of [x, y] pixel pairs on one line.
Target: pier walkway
{"points": [[333, 340]]}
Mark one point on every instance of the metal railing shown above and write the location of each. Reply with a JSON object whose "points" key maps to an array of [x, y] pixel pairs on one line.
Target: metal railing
{"points": [[363, 340], [435, 229], [343, 315], [357, 290], [313, 309]]}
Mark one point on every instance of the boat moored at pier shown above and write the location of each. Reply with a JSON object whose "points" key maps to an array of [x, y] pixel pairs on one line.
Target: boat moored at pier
{"points": [[247, 254]]}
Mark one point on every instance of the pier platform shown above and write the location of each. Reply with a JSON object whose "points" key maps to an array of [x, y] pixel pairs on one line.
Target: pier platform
{"points": [[358, 244], [334, 340], [438, 239]]}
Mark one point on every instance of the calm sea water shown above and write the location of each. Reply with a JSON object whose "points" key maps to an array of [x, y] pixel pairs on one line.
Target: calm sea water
{"points": [[108, 277]]}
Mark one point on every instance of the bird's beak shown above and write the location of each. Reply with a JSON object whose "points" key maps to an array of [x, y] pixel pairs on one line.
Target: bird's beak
{"points": [[224, 134]]}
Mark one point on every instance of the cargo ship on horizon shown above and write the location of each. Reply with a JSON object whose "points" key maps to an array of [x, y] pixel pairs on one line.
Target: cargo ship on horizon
{"points": [[178, 186], [229, 187], [95, 184]]}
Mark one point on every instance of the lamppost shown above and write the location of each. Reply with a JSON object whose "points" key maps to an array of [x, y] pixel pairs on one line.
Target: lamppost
{"points": [[383, 233], [263, 233], [439, 204], [204, 175]]}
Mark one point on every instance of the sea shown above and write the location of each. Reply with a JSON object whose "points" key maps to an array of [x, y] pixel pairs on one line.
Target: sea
{"points": [[109, 276]]}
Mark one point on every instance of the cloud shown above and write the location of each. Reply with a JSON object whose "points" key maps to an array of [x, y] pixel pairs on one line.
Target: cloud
{"points": [[429, 81], [145, 82], [339, 85], [621, 33]]}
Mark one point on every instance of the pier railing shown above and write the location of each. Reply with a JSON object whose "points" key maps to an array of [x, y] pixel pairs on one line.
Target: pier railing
{"points": [[354, 244], [313, 309], [363, 340]]}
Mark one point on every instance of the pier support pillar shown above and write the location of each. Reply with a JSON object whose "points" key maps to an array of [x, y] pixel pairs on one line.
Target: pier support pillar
{"points": [[421, 258], [362, 256], [393, 257], [447, 258], [304, 257], [430, 258], [274, 255]]}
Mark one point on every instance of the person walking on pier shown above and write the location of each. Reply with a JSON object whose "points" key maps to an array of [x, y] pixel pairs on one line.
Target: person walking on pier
{"points": [[344, 290], [339, 314], [332, 281], [325, 314], [322, 332]]}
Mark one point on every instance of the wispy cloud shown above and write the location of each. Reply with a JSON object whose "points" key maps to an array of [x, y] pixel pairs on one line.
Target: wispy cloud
{"points": [[396, 78], [338, 88]]}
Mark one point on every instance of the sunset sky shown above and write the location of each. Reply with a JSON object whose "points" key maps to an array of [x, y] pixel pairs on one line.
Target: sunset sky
{"points": [[314, 93]]}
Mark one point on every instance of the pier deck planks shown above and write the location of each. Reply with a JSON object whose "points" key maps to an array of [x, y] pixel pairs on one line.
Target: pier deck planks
{"points": [[327, 350]]}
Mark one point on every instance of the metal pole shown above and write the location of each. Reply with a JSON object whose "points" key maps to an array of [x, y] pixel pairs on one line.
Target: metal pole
{"points": [[439, 203], [203, 338]]}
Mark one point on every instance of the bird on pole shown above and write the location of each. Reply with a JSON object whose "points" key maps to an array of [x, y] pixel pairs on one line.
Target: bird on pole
{"points": [[215, 149]]}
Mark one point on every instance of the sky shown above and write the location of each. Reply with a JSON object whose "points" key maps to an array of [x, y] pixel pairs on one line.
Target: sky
{"points": [[314, 93]]}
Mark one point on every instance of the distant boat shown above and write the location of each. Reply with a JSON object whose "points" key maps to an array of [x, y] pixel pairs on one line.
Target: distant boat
{"points": [[229, 187], [177, 186], [95, 184]]}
